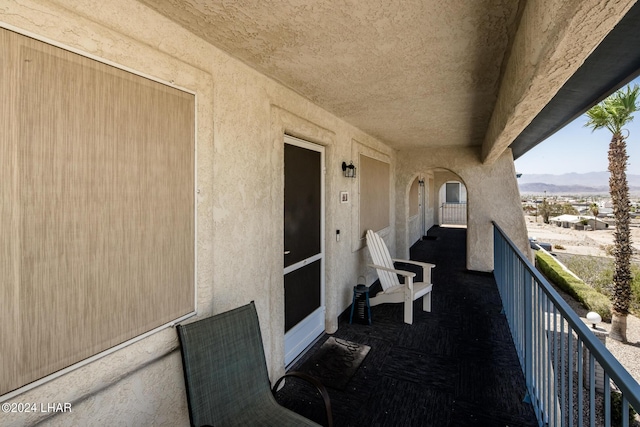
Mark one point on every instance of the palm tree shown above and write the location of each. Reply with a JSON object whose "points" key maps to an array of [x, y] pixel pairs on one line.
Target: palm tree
{"points": [[613, 113], [594, 211]]}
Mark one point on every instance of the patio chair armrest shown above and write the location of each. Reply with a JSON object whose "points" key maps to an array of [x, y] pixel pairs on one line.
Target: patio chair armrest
{"points": [[426, 267], [409, 261], [393, 270], [318, 385]]}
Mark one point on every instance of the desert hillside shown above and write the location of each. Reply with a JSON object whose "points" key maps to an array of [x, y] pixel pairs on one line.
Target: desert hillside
{"points": [[573, 183], [578, 242]]}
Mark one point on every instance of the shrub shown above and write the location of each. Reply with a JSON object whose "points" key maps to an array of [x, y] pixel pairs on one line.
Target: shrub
{"points": [[598, 273], [590, 299], [616, 410], [608, 249], [635, 290]]}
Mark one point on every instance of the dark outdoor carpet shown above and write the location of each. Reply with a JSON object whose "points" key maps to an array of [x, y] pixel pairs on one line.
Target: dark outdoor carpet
{"points": [[455, 366], [335, 362]]}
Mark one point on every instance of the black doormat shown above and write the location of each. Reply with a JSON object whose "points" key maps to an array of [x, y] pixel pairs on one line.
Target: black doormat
{"points": [[335, 362]]}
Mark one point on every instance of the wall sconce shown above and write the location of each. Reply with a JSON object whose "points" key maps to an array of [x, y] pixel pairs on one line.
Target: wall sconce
{"points": [[348, 170]]}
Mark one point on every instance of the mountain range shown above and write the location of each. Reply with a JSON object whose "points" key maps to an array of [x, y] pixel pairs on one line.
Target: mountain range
{"points": [[572, 183]]}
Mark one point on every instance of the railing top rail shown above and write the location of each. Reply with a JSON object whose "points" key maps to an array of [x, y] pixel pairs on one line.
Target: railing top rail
{"points": [[614, 369]]}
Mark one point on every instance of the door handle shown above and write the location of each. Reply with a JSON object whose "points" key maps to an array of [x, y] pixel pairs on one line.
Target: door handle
{"points": [[287, 252]]}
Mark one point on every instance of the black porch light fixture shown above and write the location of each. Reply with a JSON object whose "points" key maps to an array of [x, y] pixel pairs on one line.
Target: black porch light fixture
{"points": [[348, 170]]}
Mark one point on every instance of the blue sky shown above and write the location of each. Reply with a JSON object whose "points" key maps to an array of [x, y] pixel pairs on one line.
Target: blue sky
{"points": [[576, 148]]}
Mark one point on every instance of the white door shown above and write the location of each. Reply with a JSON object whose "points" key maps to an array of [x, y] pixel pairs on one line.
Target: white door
{"points": [[303, 245]]}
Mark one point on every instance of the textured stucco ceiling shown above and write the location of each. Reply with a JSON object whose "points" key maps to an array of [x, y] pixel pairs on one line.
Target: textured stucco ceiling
{"points": [[412, 73]]}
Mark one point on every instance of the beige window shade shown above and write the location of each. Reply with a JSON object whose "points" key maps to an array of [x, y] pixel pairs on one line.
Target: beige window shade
{"points": [[374, 194], [414, 198], [97, 214]]}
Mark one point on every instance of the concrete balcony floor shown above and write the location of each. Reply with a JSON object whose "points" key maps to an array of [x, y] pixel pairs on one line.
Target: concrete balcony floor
{"points": [[455, 366]]}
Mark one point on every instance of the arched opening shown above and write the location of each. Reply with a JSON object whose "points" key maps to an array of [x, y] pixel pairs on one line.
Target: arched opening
{"points": [[452, 204], [434, 197]]}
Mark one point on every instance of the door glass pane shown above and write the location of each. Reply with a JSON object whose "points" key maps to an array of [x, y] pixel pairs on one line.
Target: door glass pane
{"points": [[301, 293], [302, 202]]}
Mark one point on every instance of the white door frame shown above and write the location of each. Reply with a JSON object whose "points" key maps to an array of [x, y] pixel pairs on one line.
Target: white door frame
{"points": [[304, 333]]}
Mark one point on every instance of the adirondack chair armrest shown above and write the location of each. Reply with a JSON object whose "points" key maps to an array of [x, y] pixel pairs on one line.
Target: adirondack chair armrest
{"points": [[408, 275], [410, 261], [426, 267], [393, 270]]}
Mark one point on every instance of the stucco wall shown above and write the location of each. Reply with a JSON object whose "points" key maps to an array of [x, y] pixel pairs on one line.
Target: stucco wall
{"points": [[414, 228], [416, 209], [431, 202], [241, 120], [553, 39], [408, 227], [492, 193]]}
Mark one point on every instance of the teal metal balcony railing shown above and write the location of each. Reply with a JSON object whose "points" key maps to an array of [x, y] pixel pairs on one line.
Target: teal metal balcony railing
{"points": [[571, 376]]}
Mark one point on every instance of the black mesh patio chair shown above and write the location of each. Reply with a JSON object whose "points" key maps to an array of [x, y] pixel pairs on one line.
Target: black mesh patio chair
{"points": [[226, 374]]}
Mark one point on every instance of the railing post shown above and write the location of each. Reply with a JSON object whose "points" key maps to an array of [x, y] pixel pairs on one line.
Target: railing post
{"points": [[528, 302], [527, 308]]}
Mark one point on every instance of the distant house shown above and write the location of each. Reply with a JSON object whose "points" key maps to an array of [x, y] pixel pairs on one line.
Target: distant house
{"points": [[606, 204], [577, 222], [585, 210], [605, 213], [582, 209]]}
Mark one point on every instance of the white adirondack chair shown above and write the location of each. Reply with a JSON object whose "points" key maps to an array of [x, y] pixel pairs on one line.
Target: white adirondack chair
{"points": [[392, 290]]}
